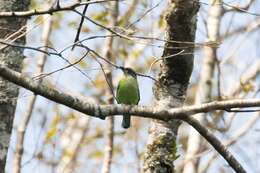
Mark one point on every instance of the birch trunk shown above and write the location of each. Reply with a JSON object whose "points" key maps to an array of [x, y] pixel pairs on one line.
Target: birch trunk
{"points": [[11, 30]]}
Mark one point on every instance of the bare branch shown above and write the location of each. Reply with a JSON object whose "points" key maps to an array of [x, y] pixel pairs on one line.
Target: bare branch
{"points": [[80, 25], [103, 111], [216, 144], [49, 10], [241, 9], [242, 131]]}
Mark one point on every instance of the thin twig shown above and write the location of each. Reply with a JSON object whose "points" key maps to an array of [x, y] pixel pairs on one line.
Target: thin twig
{"points": [[104, 27], [40, 76], [143, 15], [239, 9], [80, 25], [50, 10]]}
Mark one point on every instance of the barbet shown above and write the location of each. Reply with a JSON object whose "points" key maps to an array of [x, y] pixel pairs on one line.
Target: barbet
{"points": [[128, 93]]}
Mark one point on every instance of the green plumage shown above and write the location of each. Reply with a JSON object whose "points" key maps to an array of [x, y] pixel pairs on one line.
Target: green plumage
{"points": [[128, 93]]}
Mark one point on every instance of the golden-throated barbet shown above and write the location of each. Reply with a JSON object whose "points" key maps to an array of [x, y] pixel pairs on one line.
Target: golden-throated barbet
{"points": [[128, 92]]}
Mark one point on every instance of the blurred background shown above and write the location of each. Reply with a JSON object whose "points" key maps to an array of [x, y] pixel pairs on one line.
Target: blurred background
{"points": [[58, 138]]}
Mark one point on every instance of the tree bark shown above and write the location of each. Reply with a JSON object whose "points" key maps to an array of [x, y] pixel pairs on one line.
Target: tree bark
{"points": [[172, 83], [12, 29]]}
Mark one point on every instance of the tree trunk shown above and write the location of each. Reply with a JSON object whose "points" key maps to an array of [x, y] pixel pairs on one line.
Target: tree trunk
{"points": [[172, 83], [11, 30]]}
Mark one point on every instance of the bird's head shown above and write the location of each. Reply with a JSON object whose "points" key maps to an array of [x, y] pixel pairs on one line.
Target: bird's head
{"points": [[129, 71]]}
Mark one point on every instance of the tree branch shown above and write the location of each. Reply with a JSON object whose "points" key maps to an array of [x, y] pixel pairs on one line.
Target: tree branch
{"points": [[215, 143], [80, 26], [103, 111], [51, 10]]}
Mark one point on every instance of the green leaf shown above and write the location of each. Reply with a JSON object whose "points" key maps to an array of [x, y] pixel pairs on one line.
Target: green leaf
{"points": [[96, 154]]}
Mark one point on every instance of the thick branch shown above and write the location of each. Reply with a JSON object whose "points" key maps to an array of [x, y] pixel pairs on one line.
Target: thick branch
{"points": [[102, 111]]}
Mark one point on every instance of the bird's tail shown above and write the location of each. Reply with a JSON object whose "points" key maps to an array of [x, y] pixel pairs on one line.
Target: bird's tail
{"points": [[126, 121]]}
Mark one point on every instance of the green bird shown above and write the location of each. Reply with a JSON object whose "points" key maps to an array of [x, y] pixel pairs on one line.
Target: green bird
{"points": [[128, 93]]}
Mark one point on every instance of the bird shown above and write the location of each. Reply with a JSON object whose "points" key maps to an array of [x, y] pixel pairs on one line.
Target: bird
{"points": [[128, 92]]}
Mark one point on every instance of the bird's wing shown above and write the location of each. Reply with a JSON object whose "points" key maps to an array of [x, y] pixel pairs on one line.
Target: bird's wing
{"points": [[117, 91], [138, 92]]}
